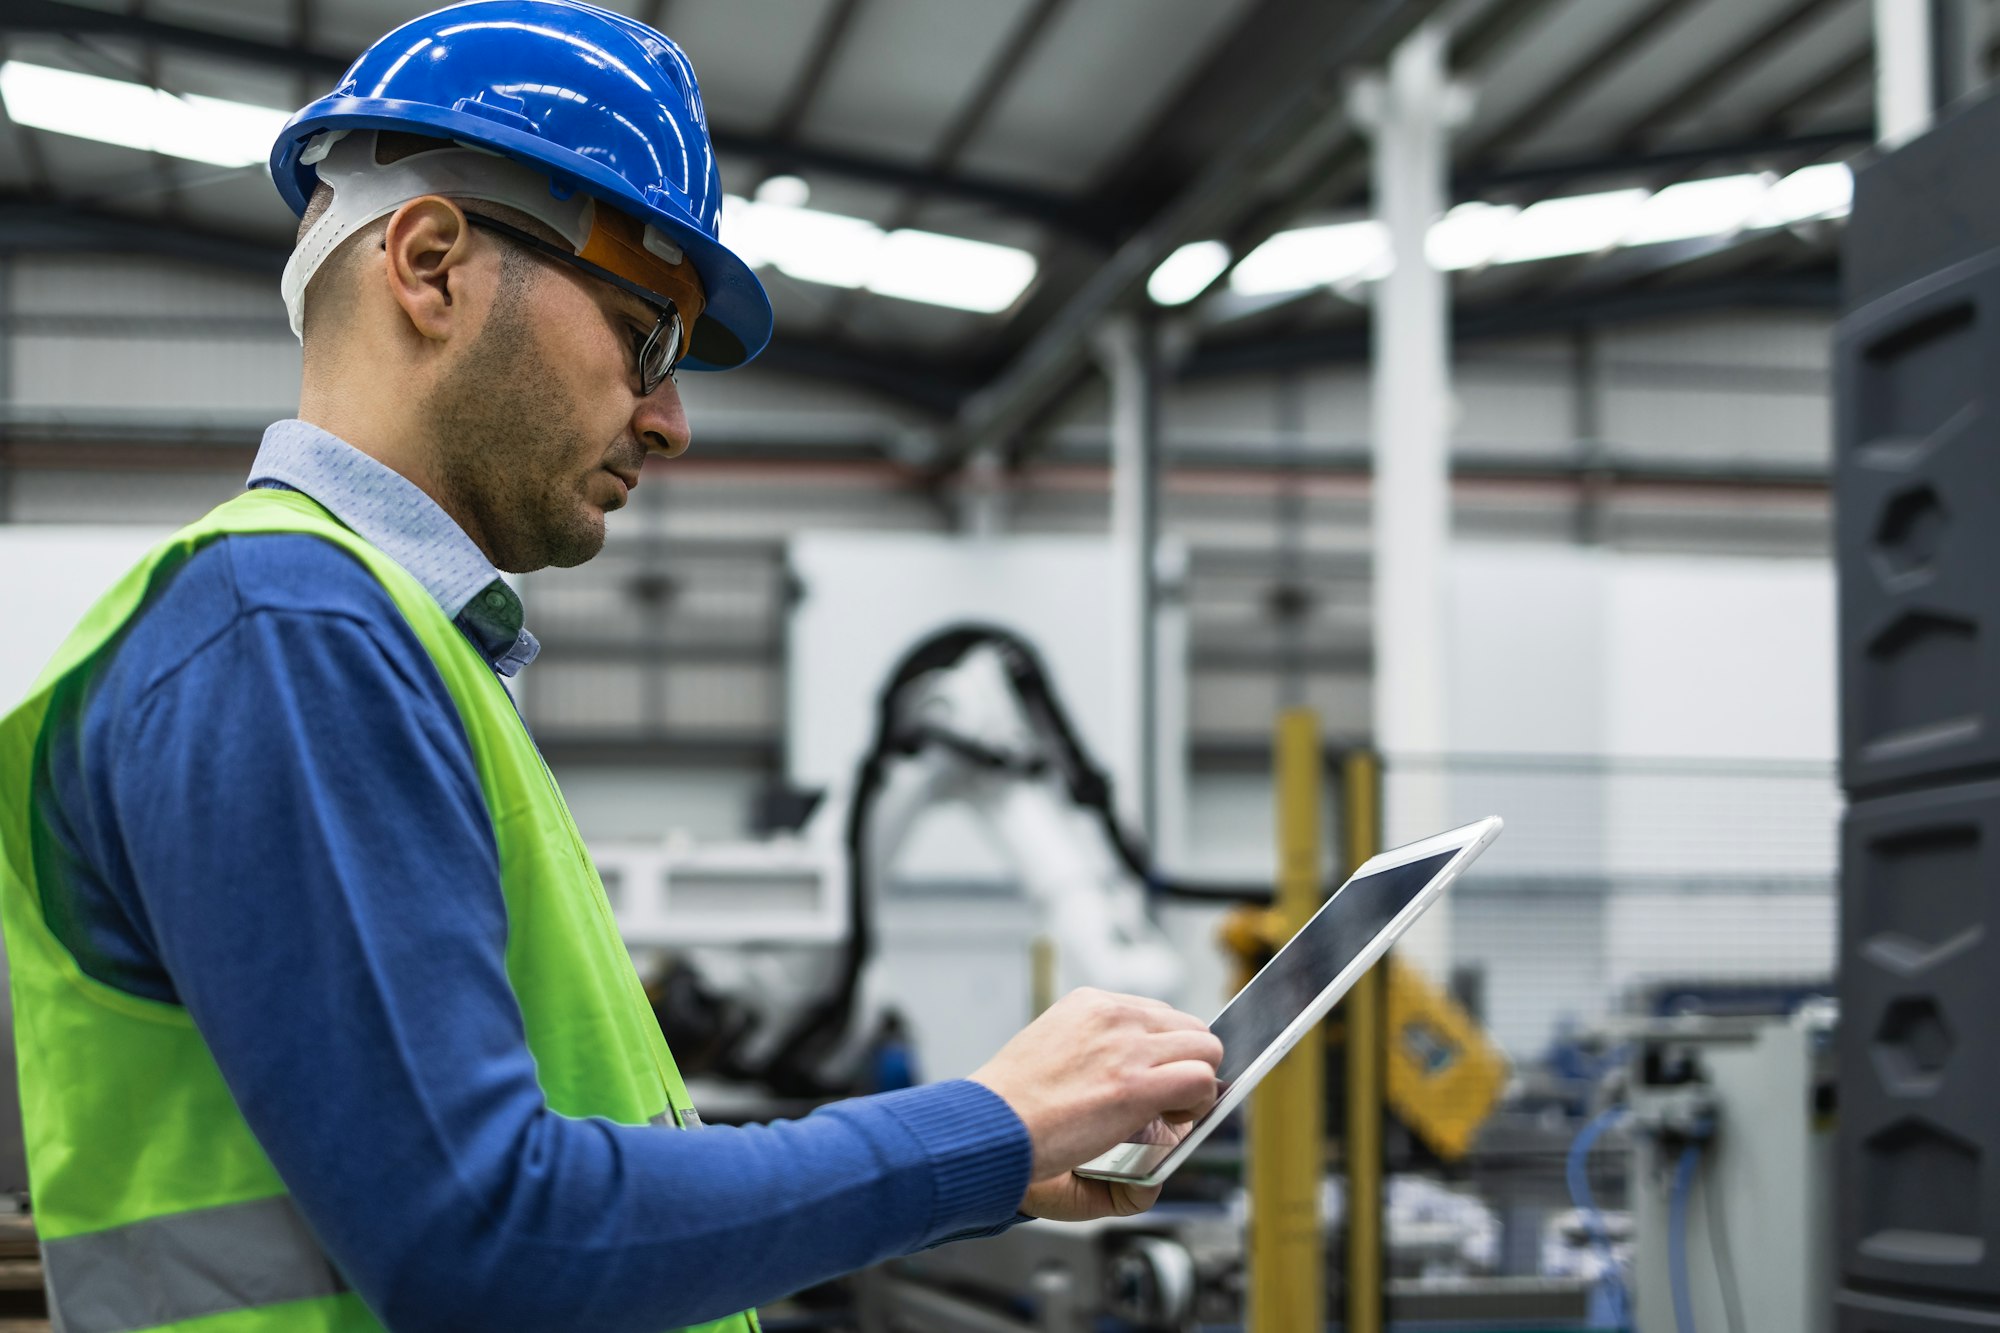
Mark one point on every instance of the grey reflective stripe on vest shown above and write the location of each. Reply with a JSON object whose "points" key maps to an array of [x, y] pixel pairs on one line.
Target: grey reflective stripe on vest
{"points": [[665, 1120], [185, 1265]]}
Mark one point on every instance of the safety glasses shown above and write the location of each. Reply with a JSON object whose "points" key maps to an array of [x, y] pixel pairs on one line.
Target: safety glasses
{"points": [[657, 352]]}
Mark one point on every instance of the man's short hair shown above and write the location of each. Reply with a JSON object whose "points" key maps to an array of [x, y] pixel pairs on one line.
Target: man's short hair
{"points": [[330, 294]]}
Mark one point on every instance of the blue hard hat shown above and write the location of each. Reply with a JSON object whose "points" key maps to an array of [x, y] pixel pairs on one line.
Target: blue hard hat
{"points": [[596, 101]]}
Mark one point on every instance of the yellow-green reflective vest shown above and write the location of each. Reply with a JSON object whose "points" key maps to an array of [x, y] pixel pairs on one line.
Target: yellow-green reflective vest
{"points": [[155, 1206]]}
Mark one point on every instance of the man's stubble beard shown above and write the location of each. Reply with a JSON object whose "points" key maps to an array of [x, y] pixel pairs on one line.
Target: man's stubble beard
{"points": [[507, 448]]}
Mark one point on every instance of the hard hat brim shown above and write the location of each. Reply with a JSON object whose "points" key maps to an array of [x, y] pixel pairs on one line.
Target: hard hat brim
{"points": [[735, 324]]}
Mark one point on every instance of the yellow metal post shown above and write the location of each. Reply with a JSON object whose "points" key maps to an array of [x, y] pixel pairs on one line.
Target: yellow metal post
{"points": [[1361, 825], [1041, 974], [1287, 1254]]}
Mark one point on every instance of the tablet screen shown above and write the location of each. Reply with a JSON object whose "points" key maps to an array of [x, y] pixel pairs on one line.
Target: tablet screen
{"points": [[1290, 982], [1299, 981]]}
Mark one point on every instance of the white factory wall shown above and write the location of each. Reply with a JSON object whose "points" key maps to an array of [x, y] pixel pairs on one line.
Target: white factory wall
{"points": [[50, 576], [104, 337], [1670, 795], [168, 370]]}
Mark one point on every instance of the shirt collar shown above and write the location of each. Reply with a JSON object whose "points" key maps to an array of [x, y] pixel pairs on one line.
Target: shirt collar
{"points": [[393, 514]]}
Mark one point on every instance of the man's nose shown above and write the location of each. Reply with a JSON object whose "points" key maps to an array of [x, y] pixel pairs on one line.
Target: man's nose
{"points": [[659, 421]]}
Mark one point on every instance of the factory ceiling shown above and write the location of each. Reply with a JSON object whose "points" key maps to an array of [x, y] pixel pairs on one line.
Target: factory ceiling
{"points": [[1097, 137]]}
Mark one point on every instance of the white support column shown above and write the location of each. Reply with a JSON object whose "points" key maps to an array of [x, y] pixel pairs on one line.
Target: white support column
{"points": [[982, 496], [1127, 349], [1905, 70], [1411, 113]]}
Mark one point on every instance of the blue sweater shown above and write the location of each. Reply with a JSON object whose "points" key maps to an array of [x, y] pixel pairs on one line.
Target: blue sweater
{"points": [[264, 809]]}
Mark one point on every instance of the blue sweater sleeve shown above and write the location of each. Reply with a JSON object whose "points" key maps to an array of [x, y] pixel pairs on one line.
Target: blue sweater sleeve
{"points": [[282, 787]]}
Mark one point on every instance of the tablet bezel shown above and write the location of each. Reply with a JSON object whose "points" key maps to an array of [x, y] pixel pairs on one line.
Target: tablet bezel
{"points": [[1121, 1162]]}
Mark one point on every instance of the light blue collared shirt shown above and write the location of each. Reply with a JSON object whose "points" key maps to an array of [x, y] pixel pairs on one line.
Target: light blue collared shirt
{"points": [[393, 514]]}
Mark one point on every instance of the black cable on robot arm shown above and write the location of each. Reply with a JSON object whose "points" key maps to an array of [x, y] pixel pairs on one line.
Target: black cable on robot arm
{"points": [[793, 1069], [1091, 787], [913, 740]]}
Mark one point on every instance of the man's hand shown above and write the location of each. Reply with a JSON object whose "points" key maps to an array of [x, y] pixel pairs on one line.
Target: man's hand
{"points": [[1090, 1073], [1068, 1197]]}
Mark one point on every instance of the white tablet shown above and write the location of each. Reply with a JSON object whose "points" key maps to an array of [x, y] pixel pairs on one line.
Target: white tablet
{"points": [[1300, 986]]}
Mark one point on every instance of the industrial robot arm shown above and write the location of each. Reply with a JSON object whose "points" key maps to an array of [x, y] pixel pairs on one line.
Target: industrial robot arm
{"points": [[969, 716]]}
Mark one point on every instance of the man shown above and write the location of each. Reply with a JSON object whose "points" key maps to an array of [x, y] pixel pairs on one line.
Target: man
{"points": [[322, 1019]]}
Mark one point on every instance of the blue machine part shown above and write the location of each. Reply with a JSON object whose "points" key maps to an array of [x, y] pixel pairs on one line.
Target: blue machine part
{"points": [[1677, 1236], [1610, 1307]]}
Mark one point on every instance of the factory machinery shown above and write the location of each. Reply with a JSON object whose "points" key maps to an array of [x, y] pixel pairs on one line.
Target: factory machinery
{"points": [[782, 987], [1719, 1130], [776, 996], [1728, 1124]]}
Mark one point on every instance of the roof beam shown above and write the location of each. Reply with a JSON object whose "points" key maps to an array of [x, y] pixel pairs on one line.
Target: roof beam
{"points": [[1704, 87], [1846, 74], [819, 62], [75, 20], [1239, 78], [1056, 354], [28, 225], [1597, 65], [1061, 212], [972, 113], [305, 21], [1493, 32], [965, 123], [936, 389], [1052, 210], [1340, 173]]}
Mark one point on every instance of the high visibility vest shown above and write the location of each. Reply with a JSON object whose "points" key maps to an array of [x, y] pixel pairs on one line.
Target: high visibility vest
{"points": [[155, 1206]]}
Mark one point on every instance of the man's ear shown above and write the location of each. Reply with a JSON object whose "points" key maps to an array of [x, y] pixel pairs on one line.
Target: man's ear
{"points": [[429, 256]]}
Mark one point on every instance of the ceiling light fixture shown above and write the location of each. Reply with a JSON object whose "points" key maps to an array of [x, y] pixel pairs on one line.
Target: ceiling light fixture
{"points": [[1824, 191], [1469, 235], [950, 271], [827, 248], [1475, 234], [1714, 207], [784, 191], [1313, 257], [839, 251], [1579, 225], [201, 129], [1187, 272]]}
